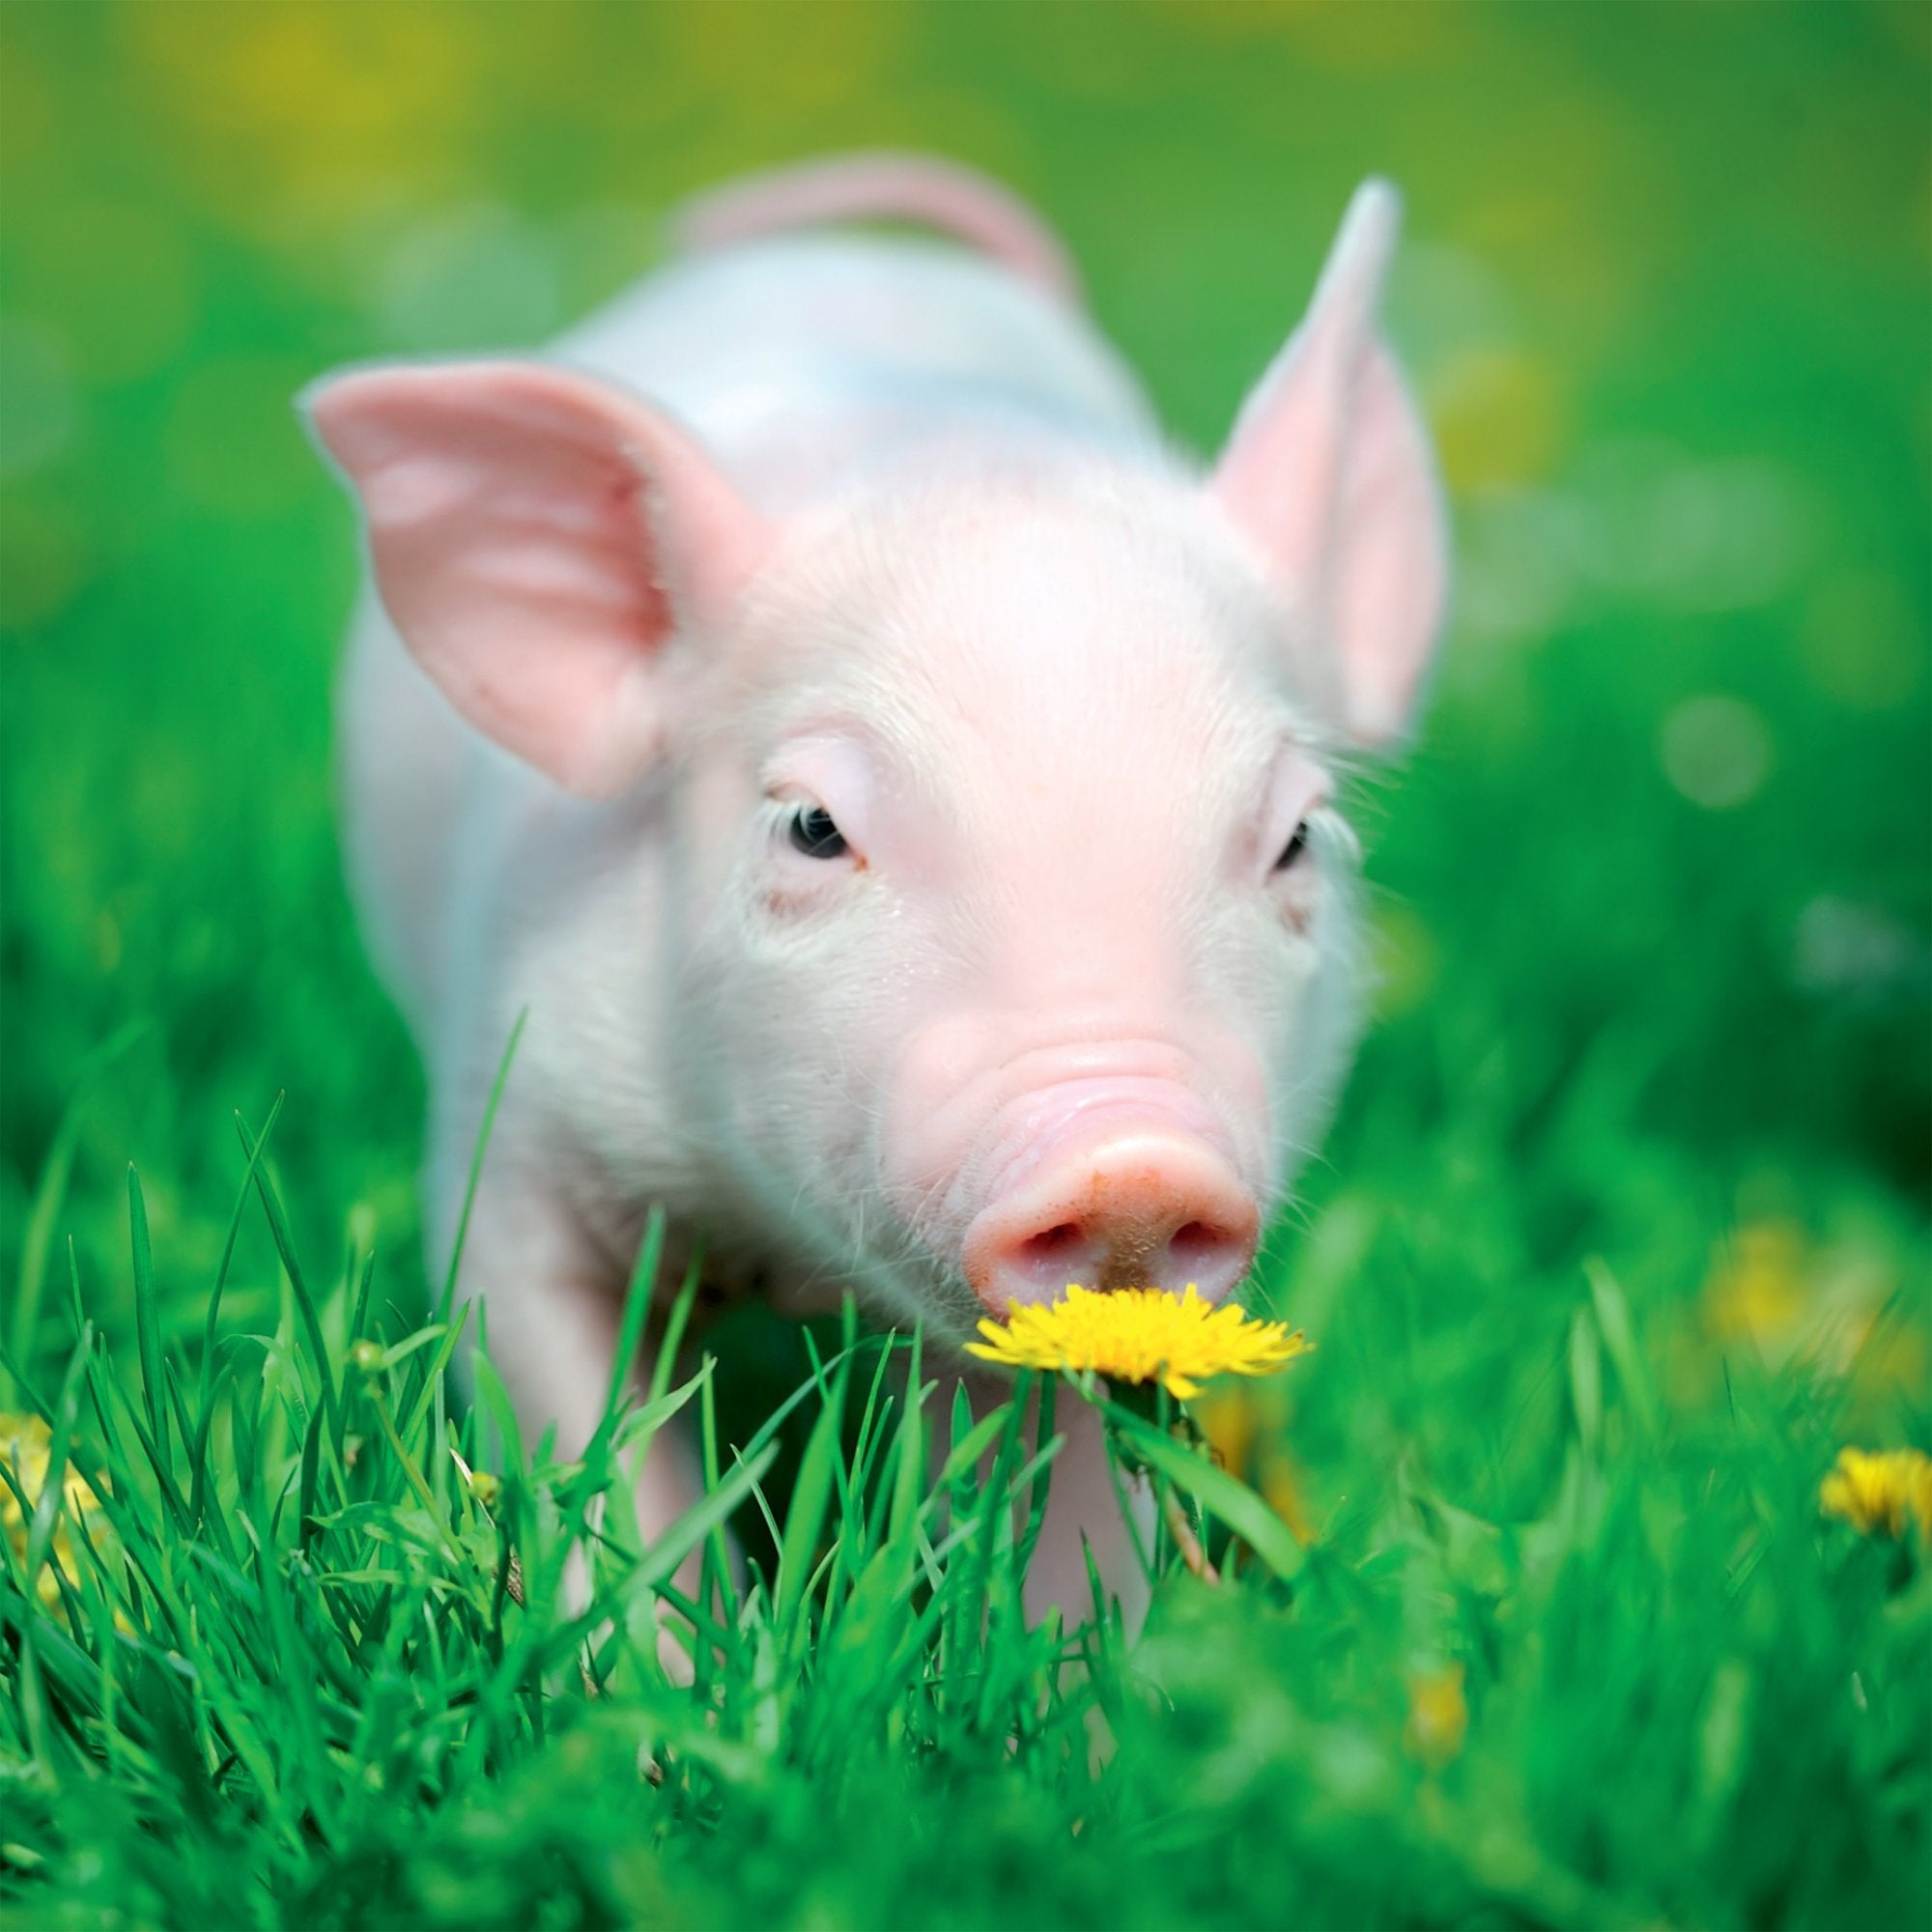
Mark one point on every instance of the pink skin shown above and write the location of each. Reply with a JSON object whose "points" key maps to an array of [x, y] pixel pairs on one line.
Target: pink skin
{"points": [[1070, 989]]}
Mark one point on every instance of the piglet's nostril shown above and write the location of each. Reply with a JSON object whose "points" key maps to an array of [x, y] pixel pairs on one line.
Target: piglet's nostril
{"points": [[1195, 1241], [1053, 1241]]}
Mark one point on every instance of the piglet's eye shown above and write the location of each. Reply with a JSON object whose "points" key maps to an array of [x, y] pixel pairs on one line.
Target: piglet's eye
{"points": [[812, 833], [1295, 848]]}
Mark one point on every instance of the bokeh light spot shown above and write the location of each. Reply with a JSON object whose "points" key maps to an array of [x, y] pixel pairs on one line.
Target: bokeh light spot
{"points": [[1719, 536], [305, 105], [1445, 304], [1498, 419], [1404, 958], [1842, 947], [39, 407], [1715, 750], [477, 278], [1523, 552]]}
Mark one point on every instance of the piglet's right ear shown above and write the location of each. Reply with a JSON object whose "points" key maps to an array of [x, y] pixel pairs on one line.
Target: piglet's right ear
{"points": [[536, 538], [1329, 477]]}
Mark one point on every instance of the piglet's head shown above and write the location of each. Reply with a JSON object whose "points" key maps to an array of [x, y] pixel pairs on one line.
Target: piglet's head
{"points": [[1016, 944]]}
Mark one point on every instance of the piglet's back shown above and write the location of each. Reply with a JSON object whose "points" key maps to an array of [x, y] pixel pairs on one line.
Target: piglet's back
{"points": [[802, 359]]}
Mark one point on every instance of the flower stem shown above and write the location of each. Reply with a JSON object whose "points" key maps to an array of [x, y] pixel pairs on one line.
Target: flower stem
{"points": [[1174, 1514]]}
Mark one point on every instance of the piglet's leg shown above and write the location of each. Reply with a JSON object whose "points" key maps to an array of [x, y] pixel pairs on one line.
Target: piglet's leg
{"points": [[1083, 1511], [553, 1310], [1084, 1507]]}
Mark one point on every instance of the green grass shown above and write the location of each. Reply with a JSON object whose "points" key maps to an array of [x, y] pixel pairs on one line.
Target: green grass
{"points": [[297, 1665], [1625, 1224]]}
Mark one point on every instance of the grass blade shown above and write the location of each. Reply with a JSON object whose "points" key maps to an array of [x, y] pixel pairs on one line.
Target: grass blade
{"points": [[311, 1316], [1219, 1494], [447, 1299], [148, 1323]]}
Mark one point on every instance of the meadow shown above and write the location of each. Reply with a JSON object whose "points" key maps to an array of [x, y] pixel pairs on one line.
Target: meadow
{"points": [[1624, 1230]]}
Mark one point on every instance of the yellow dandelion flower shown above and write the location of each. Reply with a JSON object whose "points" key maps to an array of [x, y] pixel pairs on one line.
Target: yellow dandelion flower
{"points": [[26, 1449], [1438, 1716], [1139, 1335], [1759, 1287], [1878, 1492]]}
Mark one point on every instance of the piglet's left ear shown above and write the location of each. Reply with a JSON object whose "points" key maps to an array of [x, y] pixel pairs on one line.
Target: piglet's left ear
{"points": [[1330, 479], [538, 539]]}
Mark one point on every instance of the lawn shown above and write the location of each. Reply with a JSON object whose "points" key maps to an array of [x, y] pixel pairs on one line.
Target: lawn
{"points": [[1624, 1230]]}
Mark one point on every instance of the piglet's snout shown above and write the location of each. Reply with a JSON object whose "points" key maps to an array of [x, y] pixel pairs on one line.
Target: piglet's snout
{"points": [[1117, 1205]]}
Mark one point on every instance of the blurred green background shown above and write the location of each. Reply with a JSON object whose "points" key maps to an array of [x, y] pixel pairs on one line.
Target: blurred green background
{"points": [[1653, 896]]}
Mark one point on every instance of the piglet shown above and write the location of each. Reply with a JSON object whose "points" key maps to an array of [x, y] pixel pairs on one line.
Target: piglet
{"points": [[896, 783]]}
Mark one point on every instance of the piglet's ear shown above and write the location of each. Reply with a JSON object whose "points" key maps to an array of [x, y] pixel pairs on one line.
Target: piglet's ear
{"points": [[536, 538], [1330, 476]]}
